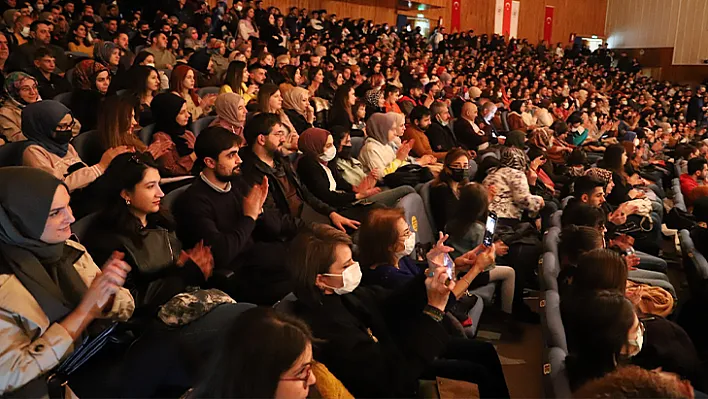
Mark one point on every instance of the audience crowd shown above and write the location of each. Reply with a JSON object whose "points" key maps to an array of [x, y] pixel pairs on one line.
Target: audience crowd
{"points": [[170, 171]]}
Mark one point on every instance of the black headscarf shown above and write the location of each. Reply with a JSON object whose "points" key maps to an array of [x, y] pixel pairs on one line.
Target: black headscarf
{"points": [[200, 61], [39, 120], [45, 270], [515, 138], [165, 108]]}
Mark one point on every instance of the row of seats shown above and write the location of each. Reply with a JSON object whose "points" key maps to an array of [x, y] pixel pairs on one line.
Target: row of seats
{"points": [[65, 98]]}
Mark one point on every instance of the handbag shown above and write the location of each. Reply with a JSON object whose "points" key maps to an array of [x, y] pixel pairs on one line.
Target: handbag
{"points": [[408, 175]]}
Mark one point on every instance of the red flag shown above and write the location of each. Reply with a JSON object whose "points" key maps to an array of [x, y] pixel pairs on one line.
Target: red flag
{"points": [[455, 19], [506, 25], [548, 24]]}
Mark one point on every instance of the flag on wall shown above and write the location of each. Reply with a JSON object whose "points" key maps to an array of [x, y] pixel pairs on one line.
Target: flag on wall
{"points": [[514, 29], [506, 24], [498, 16], [548, 24], [455, 18]]}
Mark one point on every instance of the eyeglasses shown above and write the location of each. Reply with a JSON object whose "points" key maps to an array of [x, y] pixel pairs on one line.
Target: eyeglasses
{"points": [[308, 373], [65, 126]]}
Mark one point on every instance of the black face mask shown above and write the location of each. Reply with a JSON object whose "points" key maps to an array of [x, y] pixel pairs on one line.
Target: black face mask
{"points": [[63, 136], [345, 152], [145, 32], [459, 174]]}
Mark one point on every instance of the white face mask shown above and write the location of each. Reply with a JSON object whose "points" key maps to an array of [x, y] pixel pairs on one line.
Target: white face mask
{"points": [[408, 246], [151, 65], [351, 277], [25, 31], [594, 119], [637, 343], [239, 8], [329, 154]]}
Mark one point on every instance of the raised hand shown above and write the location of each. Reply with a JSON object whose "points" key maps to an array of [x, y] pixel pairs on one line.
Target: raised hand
{"points": [[202, 257], [253, 202]]}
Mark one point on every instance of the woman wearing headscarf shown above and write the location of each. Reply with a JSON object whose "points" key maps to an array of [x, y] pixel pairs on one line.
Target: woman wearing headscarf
{"points": [[512, 186], [377, 155], [543, 139], [296, 104], [230, 113], [21, 90], [217, 50], [203, 66], [52, 289], [374, 102], [191, 39], [47, 125], [171, 119], [516, 139], [108, 54], [91, 80], [515, 118]]}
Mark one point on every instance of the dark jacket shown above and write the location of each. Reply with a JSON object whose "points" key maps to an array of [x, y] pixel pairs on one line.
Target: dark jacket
{"points": [[315, 179], [441, 137], [154, 277], [377, 342], [301, 124], [50, 88], [23, 57], [468, 137], [339, 117], [85, 106], [443, 204], [253, 170]]}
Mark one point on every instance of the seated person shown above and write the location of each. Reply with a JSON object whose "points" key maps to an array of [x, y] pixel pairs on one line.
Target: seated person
{"points": [[296, 104], [90, 82], [377, 155], [229, 216], [230, 113], [696, 176], [666, 344], [171, 119], [49, 83], [262, 159], [635, 382], [699, 233], [575, 241], [134, 223], [441, 137], [183, 84], [54, 294], [601, 327], [21, 90], [415, 132], [250, 343], [47, 125], [445, 189], [379, 346]]}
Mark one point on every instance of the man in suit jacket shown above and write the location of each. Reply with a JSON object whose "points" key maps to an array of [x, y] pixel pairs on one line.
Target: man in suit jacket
{"points": [[468, 131], [441, 137], [484, 121]]}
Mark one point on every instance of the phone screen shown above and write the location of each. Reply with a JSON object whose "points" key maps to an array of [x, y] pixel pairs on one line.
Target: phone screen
{"points": [[450, 266], [489, 228]]}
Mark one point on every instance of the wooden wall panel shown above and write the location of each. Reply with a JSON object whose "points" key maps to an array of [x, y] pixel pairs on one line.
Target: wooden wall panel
{"points": [[642, 23], [691, 46], [584, 18]]}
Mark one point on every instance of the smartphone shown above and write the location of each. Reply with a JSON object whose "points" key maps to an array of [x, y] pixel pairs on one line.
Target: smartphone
{"points": [[489, 228], [450, 266]]}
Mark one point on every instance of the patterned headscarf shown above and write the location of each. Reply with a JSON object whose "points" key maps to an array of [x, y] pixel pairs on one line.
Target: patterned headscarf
{"points": [[13, 82], [541, 139], [514, 158], [599, 174], [372, 98], [103, 52], [85, 73]]}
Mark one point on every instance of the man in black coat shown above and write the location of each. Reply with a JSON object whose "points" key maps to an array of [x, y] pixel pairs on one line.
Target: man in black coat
{"points": [[262, 159], [439, 134], [246, 239], [696, 106], [23, 58]]}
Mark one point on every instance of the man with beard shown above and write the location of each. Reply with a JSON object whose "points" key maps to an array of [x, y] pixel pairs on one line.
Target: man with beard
{"points": [[126, 56], [468, 132], [420, 122], [413, 99], [248, 242], [263, 160]]}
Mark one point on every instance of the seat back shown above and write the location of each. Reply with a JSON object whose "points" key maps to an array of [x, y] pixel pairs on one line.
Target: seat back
{"points": [[121, 92], [694, 264], [550, 241], [679, 201], [146, 133], [64, 98], [565, 201], [169, 200], [551, 321], [504, 119], [88, 146], [548, 272], [417, 218], [287, 304], [555, 378], [424, 192], [357, 143], [208, 90], [11, 153], [201, 124], [80, 227], [556, 218]]}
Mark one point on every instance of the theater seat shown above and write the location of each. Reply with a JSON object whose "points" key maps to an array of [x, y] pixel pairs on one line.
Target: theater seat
{"points": [[11, 153], [208, 90], [287, 304], [169, 200], [551, 240], [80, 227], [88, 146], [556, 382], [551, 322], [548, 272], [424, 192], [694, 264], [200, 124], [357, 143], [556, 218], [64, 98], [146, 133], [417, 218]]}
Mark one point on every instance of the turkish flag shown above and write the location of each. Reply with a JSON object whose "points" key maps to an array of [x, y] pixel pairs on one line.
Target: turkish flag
{"points": [[548, 24], [455, 18], [506, 24]]}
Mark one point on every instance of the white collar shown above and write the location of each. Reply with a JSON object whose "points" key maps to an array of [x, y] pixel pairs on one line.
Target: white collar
{"points": [[217, 189]]}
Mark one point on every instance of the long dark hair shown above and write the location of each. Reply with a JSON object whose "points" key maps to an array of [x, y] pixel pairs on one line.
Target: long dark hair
{"points": [[612, 160], [137, 84], [75, 39], [444, 177], [124, 173], [234, 75], [473, 208], [597, 330], [341, 102], [288, 73], [256, 349], [600, 269]]}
